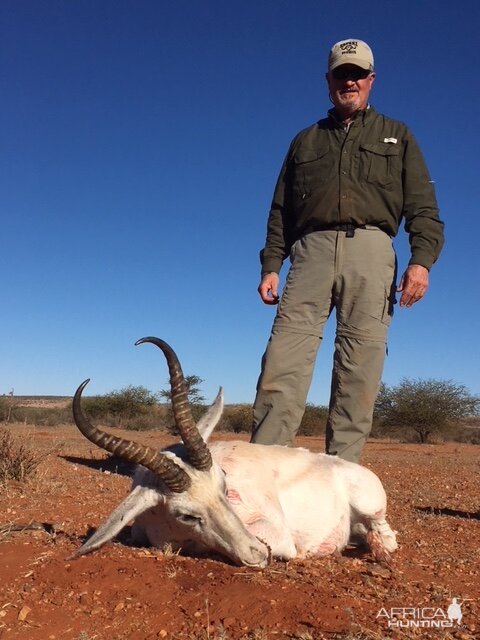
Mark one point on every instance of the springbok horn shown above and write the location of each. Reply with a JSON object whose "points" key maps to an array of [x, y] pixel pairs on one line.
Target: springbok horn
{"points": [[198, 452], [172, 474]]}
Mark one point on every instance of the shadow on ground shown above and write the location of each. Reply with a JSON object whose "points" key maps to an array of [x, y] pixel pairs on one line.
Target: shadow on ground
{"points": [[111, 464], [446, 511]]}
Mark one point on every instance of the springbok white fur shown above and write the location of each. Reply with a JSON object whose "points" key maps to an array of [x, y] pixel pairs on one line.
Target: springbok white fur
{"points": [[254, 502]]}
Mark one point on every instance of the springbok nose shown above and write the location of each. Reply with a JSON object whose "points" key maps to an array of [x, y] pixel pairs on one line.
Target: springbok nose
{"points": [[260, 556]]}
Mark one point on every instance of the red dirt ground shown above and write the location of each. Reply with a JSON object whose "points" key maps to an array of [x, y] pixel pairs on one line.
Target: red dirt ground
{"points": [[121, 592]]}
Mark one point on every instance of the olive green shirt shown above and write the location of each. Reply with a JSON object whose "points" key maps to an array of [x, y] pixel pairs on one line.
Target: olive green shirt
{"points": [[371, 172]]}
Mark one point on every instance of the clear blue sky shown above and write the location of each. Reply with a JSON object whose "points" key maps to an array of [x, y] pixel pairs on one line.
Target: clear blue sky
{"points": [[140, 144]]}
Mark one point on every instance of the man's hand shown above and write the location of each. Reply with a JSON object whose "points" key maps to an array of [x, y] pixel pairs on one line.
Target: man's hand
{"points": [[268, 288], [413, 285]]}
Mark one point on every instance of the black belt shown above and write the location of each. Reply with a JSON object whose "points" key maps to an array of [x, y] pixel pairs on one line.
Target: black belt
{"points": [[348, 228]]}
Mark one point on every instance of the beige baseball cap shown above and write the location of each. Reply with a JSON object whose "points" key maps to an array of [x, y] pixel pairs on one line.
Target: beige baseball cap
{"points": [[351, 51]]}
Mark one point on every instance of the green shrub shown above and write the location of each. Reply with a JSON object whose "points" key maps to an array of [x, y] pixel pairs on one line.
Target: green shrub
{"points": [[168, 421], [44, 416], [236, 418], [314, 421], [153, 418], [128, 403]]}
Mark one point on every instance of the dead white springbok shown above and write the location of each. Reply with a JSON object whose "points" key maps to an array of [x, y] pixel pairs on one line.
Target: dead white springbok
{"points": [[248, 502]]}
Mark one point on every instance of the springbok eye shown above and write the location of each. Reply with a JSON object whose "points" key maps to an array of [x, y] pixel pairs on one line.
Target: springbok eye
{"points": [[188, 518]]}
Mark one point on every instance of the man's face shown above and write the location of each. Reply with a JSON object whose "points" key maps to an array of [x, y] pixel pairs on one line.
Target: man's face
{"points": [[349, 87]]}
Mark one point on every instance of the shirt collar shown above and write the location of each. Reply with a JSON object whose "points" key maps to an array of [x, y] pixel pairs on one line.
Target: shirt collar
{"points": [[362, 115]]}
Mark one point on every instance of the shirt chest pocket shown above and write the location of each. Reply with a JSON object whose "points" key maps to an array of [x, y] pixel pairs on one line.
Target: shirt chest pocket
{"points": [[312, 168], [380, 164]]}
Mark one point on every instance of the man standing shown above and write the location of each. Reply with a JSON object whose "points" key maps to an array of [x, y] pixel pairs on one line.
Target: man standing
{"points": [[344, 187]]}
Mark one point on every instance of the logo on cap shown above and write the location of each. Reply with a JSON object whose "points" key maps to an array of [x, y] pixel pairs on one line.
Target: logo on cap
{"points": [[349, 47]]}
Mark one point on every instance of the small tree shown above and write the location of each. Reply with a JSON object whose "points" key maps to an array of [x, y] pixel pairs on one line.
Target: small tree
{"points": [[194, 394], [428, 407], [195, 397]]}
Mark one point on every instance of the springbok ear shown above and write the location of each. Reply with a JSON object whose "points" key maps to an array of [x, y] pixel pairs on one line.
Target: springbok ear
{"points": [[209, 420]]}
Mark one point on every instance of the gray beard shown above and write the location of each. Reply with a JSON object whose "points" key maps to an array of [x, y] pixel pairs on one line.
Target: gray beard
{"points": [[350, 107]]}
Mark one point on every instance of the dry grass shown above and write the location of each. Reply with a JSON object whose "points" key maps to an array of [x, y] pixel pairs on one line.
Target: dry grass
{"points": [[17, 460]]}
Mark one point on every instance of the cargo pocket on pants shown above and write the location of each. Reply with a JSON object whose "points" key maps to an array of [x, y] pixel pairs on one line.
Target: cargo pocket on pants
{"points": [[388, 305]]}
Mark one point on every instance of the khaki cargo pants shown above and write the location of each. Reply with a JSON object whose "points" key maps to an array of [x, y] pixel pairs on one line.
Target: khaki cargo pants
{"points": [[356, 277]]}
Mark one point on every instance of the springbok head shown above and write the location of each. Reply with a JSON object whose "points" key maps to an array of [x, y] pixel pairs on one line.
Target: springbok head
{"points": [[187, 507]]}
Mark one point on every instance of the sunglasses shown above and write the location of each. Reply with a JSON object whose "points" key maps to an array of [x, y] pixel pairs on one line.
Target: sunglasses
{"points": [[350, 74]]}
